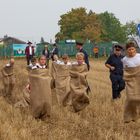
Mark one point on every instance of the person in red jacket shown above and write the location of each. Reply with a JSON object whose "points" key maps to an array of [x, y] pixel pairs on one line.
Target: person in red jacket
{"points": [[29, 52]]}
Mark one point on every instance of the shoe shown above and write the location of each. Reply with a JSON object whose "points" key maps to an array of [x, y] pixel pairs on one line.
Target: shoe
{"points": [[119, 96]]}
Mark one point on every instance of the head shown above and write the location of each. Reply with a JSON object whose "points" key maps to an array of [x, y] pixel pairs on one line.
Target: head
{"points": [[117, 50], [131, 49], [55, 57], [54, 45], [29, 43], [79, 45], [80, 58], [12, 61], [65, 58], [33, 61], [46, 47], [42, 60]]}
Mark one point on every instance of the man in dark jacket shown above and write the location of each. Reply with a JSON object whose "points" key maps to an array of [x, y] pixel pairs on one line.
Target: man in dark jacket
{"points": [[115, 66], [79, 46], [29, 52], [54, 51]]}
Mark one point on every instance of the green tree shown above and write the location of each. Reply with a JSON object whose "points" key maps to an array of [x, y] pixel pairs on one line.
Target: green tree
{"points": [[78, 24], [73, 21], [130, 28], [112, 29]]}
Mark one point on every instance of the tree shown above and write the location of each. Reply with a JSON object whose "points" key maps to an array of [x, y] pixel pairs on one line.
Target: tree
{"points": [[130, 28], [112, 29], [78, 24]]}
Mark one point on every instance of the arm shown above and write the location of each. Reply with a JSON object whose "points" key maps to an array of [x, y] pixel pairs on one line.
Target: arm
{"points": [[110, 67], [108, 64]]}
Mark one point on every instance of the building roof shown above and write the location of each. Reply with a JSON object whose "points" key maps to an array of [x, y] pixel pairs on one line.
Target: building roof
{"points": [[14, 40]]}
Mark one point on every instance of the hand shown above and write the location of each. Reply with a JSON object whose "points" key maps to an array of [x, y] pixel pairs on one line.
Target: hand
{"points": [[112, 68]]}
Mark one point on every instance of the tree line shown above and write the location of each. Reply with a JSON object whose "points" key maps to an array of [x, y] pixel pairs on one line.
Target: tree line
{"points": [[79, 24]]}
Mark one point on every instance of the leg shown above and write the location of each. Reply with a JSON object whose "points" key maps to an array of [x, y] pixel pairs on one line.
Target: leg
{"points": [[28, 61], [121, 84], [115, 86]]}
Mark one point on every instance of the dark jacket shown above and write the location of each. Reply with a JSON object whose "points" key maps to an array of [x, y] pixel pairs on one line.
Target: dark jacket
{"points": [[86, 57], [116, 62], [27, 51], [55, 51], [47, 55]]}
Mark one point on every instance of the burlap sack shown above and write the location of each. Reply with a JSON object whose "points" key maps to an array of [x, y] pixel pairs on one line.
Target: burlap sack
{"points": [[8, 79], [40, 96], [79, 86], [62, 83], [25, 101], [132, 79]]}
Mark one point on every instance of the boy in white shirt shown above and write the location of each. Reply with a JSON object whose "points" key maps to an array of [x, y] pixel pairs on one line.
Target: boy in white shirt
{"points": [[131, 64], [132, 59]]}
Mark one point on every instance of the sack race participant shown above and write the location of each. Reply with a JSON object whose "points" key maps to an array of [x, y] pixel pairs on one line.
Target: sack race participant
{"points": [[78, 84], [8, 79], [61, 76], [40, 96], [131, 64]]}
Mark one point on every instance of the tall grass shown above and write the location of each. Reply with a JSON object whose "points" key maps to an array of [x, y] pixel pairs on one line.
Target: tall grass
{"points": [[101, 120]]}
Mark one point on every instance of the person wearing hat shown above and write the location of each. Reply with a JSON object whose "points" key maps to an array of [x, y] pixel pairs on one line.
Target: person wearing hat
{"points": [[54, 51], [115, 65], [29, 52], [79, 46]]}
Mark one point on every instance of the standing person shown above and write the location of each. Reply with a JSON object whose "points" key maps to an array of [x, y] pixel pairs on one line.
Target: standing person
{"points": [[131, 64], [115, 66], [29, 52], [46, 53], [54, 51], [78, 84], [79, 47], [61, 79], [40, 90], [96, 51]]}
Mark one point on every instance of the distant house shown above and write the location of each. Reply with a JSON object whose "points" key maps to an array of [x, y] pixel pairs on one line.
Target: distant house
{"points": [[8, 41], [6, 45]]}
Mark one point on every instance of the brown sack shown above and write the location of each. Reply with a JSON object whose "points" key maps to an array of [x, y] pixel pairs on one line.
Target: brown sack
{"points": [[8, 79], [132, 79], [40, 95], [79, 86], [25, 101], [62, 83]]}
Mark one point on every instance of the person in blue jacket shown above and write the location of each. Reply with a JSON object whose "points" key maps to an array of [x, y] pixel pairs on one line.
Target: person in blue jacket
{"points": [[115, 65]]}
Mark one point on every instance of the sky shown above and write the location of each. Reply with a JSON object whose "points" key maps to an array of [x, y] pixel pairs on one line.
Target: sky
{"points": [[33, 19]]}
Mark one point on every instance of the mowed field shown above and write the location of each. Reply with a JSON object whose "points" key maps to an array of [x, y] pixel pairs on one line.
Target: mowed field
{"points": [[101, 120]]}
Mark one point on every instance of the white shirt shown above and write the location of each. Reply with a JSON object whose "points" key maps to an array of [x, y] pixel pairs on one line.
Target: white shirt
{"points": [[30, 50], [131, 61], [76, 63], [62, 63], [41, 67]]}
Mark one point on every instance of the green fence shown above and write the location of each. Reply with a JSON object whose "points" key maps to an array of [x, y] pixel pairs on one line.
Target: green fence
{"points": [[105, 49], [6, 51]]}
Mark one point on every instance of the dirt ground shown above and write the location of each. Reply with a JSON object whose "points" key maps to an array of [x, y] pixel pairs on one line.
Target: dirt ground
{"points": [[101, 120]]}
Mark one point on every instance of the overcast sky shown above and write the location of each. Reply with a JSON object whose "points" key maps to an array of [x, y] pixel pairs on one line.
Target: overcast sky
{"points": [[33, 19]]}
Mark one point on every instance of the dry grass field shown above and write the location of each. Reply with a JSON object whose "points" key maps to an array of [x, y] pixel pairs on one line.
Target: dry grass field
{"points": [[101, 120]]}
